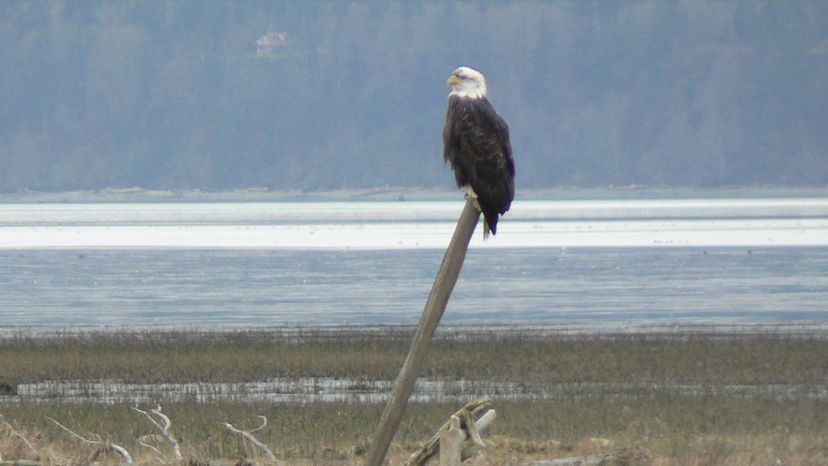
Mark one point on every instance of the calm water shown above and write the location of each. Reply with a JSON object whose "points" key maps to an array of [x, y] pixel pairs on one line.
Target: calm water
{"points": [[590, 264]]}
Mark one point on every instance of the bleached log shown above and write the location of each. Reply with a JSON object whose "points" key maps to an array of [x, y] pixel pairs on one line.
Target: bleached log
{"points": [[433, 311], [121, 451], [485, 421], [248, 435], [451, 443], [475, 416], [164, 425]]}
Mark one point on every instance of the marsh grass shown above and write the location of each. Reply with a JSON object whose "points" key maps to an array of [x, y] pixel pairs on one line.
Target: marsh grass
{"points": [[329, 433], [711, 427], [523, 357]]}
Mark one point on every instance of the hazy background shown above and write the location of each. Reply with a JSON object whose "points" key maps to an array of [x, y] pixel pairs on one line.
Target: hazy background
{"points": [[179, 94]]}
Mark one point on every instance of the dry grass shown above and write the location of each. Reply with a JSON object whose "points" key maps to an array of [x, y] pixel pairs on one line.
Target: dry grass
{"points": [[526, 357], [709, 428], [683, 430]]}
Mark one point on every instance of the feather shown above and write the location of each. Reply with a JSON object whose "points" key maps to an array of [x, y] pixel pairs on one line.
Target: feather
{"points": [[476, 145]]}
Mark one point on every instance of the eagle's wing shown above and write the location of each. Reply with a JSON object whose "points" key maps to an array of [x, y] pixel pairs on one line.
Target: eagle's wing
{"points": [[486, 151]]}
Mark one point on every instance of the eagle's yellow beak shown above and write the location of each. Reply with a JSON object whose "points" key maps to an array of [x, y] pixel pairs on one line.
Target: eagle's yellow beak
{"points": [[453, 80]]}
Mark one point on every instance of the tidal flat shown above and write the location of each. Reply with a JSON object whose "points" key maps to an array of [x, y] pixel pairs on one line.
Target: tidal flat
{"points": [[688, 398]]}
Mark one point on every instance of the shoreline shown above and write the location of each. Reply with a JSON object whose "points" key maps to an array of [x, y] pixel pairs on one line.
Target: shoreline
{"points": [[402, 194]]}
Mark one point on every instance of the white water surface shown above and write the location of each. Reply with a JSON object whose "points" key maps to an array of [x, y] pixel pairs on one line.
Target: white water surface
{"points": [[362, 390], [415, 225], [593, 265]]}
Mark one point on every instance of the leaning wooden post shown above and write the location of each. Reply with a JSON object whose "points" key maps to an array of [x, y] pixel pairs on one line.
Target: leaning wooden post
{"points": [[436, 304]]}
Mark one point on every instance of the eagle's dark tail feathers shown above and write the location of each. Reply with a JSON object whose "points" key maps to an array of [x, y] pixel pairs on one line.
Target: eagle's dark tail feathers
{"points": [[489, 222]]}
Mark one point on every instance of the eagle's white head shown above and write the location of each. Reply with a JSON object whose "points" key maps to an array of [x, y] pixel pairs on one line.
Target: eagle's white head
{"points": [[467, 83]]}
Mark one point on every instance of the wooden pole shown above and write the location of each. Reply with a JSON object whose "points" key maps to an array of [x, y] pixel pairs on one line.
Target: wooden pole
{"points": [[434, 308]]}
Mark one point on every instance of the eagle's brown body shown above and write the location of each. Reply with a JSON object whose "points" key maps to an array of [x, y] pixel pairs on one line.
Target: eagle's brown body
{"points": [[476, 144]]}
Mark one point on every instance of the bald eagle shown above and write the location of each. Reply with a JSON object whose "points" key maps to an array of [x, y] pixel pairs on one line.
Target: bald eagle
{"points": [[476, 144]]}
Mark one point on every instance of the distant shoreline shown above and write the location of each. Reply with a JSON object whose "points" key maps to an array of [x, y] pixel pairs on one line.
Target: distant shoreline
{"points": [[402, 194]]}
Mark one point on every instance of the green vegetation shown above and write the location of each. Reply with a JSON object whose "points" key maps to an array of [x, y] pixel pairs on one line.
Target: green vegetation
{"points": [[711, 427], [525, 357]]}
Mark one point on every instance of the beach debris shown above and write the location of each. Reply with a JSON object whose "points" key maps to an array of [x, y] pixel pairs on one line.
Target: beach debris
{"points": [[104, 447], [163, 423], [249, 437], [459, 438]]}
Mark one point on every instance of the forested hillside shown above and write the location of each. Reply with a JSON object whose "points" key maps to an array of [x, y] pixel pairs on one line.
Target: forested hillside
{"points": [[313, 95]]}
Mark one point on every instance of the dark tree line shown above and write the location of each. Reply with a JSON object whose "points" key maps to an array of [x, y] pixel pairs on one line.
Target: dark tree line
{"points": [[179, 94]]}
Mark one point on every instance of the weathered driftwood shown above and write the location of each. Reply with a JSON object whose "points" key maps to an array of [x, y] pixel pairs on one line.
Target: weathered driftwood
{"points": [[248, 435], [14, 433], [111, 446], [22, 437], [433, 311], [163, 423], [624, 457], [475, 416], [160, 457], [451, 443]]}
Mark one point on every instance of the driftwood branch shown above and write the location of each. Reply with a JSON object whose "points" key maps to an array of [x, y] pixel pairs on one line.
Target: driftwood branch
{"points": [[73, 433], [264, 423], [433, 311], [248, 435], [473, 417], [22, 437], [164, 426], [119, 450], [158, 455]]}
